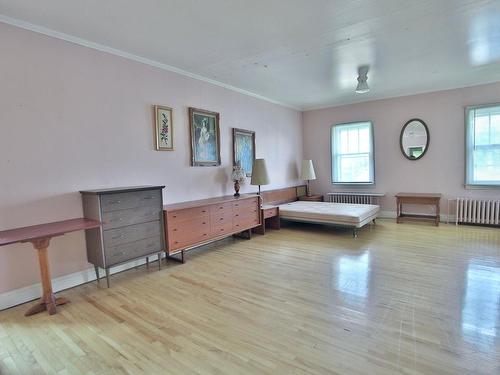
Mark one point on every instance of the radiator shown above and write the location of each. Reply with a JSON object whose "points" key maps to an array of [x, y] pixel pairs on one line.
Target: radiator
{"points": [[357, 198], [477, 211]]}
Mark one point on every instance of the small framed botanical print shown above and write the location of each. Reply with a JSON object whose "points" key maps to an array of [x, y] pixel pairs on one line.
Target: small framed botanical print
{"points": [[205, 138], [164, 128]]}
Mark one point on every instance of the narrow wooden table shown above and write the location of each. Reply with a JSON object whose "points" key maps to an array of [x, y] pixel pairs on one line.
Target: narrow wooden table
{"points": [[40, 236], [419, 199]]}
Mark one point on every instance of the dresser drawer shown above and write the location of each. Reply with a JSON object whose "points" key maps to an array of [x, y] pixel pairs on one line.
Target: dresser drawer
{"points": [[123, 201], [222, 228], [188, 214], [183, 242], [123, 253], [246, 221], [221, 209], [244, 204], [188, 229], [131, 233], [121, 218]]}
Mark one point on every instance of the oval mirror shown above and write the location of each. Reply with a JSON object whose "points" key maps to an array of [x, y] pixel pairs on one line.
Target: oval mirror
{"points": [[414, 140]]}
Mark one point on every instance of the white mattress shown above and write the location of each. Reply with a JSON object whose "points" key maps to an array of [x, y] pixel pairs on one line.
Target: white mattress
{"points": [[354, 215]]}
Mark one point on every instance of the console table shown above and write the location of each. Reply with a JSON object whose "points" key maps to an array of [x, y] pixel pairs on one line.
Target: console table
{"points": [[40, 236], [418, 199]]}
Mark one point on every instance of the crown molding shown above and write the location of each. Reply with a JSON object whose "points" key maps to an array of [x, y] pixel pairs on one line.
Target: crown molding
{"points": [[130, 56]]}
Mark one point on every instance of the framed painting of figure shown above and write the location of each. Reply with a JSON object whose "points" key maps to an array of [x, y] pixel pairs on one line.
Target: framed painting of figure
{"points": [[244, 149], [164, 128], [205, 137]]}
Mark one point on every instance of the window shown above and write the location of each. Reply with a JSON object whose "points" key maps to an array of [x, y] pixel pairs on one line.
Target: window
{"points": [[483, 145], [352, 153]]}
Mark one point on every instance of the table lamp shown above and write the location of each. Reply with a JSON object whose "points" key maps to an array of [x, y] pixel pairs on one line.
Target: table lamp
{"points": [[238, 176], [307, 173], [259, 173]]}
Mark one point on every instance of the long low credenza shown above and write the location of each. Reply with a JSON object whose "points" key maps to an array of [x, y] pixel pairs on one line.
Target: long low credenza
{"points": [[194, 223]]}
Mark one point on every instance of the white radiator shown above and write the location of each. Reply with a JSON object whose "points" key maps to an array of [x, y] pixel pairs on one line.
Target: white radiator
{"points": [[477, 211], [353, 197]]}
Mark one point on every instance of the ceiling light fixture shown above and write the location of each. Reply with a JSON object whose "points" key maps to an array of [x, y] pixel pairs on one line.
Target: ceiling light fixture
{"points": [[362, 87]]}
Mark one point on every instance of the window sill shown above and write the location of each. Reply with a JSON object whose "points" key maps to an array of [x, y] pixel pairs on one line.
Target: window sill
{"points": [[482, 187], [352, 184]]}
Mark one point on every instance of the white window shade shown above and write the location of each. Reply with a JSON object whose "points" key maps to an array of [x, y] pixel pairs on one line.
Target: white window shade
{"points": [[483, 145], [352, 153]]}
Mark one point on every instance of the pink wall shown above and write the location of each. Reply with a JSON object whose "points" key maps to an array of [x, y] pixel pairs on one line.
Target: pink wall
{"points": [[442, 169], [74, 118]]}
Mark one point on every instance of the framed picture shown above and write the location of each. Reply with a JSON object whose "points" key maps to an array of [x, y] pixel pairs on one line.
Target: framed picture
{"points": [[164, 128], [205, 138], [244, 149]]}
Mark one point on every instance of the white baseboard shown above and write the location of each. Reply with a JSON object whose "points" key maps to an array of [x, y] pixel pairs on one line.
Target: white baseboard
{"points": [[32, 292]]}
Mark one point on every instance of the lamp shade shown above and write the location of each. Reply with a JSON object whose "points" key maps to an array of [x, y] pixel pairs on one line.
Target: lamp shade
{"points": [[259, 173], [238, 174], [307, 172]]}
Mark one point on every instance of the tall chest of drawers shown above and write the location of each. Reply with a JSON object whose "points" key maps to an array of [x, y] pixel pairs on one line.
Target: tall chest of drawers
{"points": [[133, 225], [194, 223]]}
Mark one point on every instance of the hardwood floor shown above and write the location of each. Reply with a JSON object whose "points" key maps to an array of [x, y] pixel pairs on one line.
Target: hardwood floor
{"points": [[399, 299]]}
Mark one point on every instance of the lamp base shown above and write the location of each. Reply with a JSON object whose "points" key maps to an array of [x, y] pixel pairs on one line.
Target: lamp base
{"points": [[236, 188]]}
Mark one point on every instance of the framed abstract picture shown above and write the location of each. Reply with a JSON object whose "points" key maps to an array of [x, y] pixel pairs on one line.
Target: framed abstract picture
{"points": [[164, 130], [205, 137], [244, 149]]}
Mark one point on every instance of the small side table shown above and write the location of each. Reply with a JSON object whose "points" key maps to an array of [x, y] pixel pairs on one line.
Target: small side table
{"points": [[40, 236], [418, 199], [270, 217], [311, 198]]}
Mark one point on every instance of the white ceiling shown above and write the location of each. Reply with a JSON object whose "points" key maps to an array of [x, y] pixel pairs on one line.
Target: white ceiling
{"points": [[301, 53]]}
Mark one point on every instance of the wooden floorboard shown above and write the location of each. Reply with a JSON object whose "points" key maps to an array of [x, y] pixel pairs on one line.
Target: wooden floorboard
{"points": [[308, 299]]}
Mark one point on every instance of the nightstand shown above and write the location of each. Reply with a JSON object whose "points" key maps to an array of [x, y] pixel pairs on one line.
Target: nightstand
{"points": [[270, 217], [312, 198]]}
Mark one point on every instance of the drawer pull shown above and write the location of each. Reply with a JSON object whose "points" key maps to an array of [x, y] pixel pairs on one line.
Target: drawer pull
{"points": [[149, 197], [115, 202], [220, 208], [116, 237], [204, 211], [236, 204], [175, 230], [221, 218], [237, 215], [203, 223], [221, 229], [176, 242]]}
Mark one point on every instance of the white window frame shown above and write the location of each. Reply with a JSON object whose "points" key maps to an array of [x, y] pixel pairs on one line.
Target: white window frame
{"points": [[371, 154], [469, 145]]}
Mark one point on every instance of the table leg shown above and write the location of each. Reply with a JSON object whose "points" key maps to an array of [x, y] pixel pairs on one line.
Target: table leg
{"points": [[438, 214], [97, 276], [48, 301]]}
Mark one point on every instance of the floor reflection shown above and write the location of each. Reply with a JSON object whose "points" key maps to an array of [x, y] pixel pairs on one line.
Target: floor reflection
{"points": [[353, 274], [480, 314]]}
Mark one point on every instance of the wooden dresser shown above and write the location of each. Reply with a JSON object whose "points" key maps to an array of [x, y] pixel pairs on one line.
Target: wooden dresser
{"points": [[194, 223], [133, 225]]}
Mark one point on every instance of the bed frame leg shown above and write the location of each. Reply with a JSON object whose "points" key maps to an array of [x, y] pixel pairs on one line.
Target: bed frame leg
{"points": [[355, 233], [374, 222]]}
